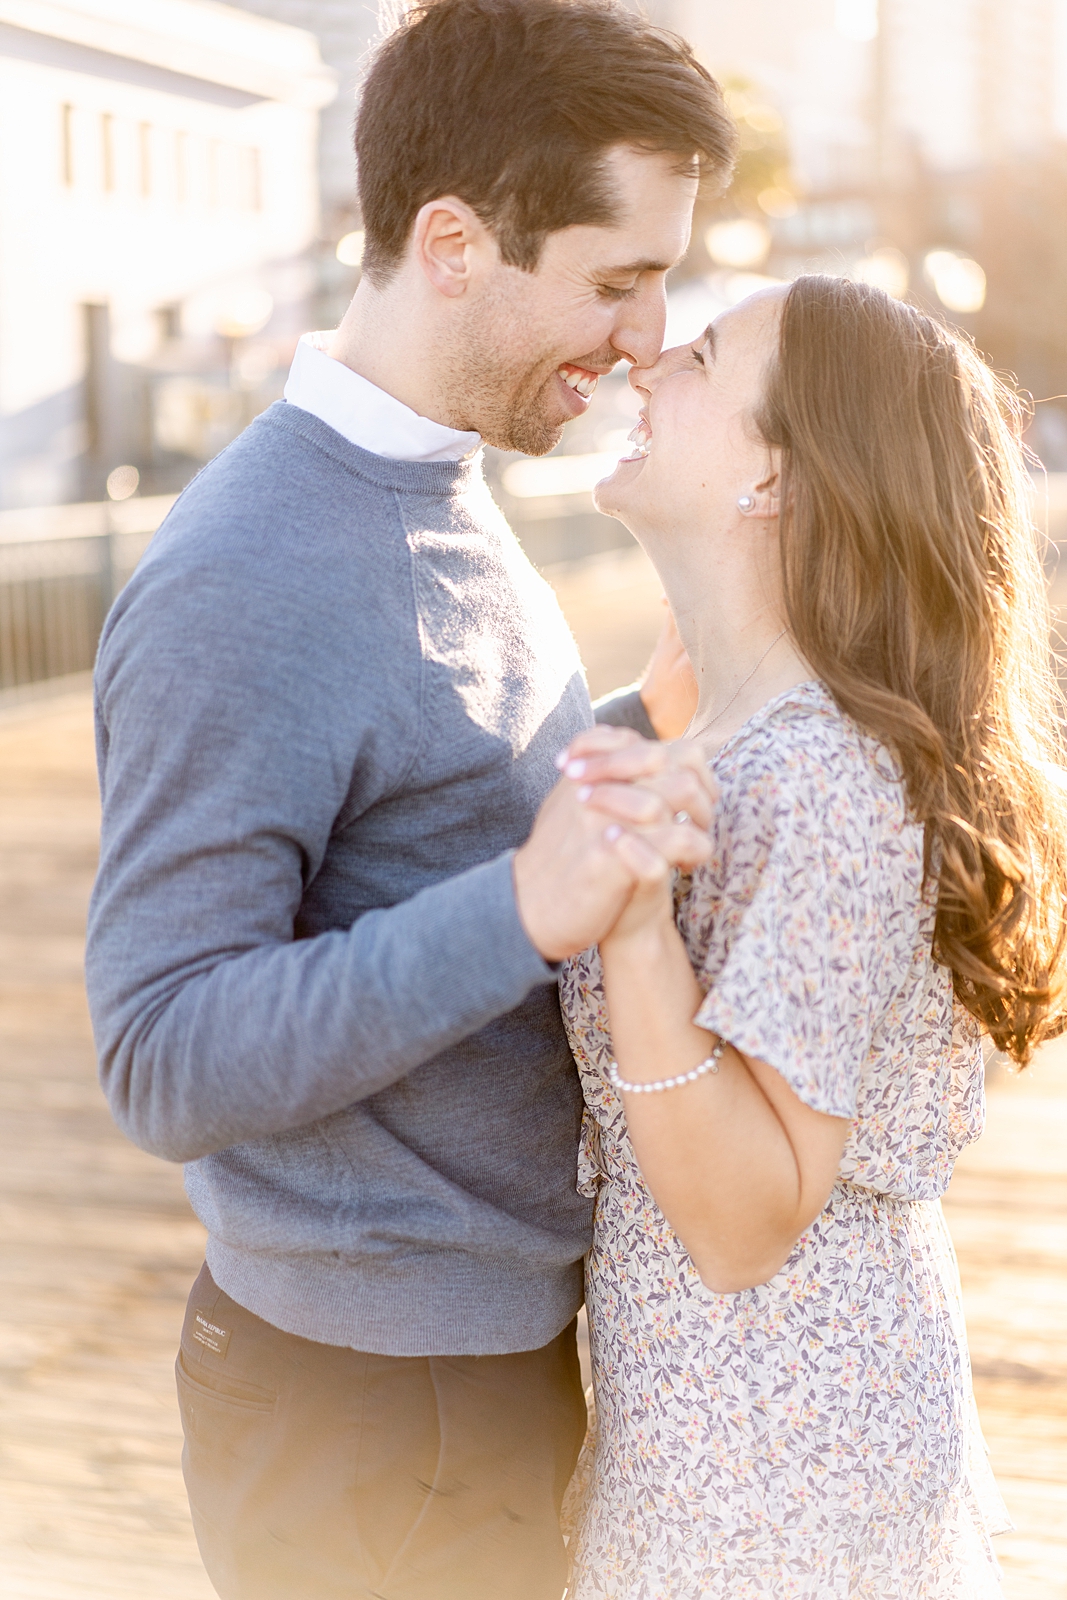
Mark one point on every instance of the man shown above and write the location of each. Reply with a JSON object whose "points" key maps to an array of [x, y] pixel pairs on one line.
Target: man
{"points": [[321, 955]]}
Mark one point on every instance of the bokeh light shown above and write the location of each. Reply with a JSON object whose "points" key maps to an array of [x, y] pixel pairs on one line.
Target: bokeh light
{"points": [[777, 201], [857, 19], [741, 242], [886, 269], [122, 482], [244, 313], [350, 248], [957, 280]]}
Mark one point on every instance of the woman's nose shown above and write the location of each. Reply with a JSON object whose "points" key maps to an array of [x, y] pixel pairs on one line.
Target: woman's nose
{"points": [[645, 379], [636, 378]]}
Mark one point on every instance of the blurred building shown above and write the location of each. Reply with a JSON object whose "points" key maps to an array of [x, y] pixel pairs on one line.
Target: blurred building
{"points": [[859, 82], [345, 30], [804, 64], [920, 144], [970, 81], [158, 195]]}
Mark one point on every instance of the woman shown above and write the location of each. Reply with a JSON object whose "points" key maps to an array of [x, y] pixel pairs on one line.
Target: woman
{"points": [[782, 1064]]}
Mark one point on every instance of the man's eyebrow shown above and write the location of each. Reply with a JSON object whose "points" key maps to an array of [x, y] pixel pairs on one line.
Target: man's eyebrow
{"points": [[708, 337], [632, 268]]}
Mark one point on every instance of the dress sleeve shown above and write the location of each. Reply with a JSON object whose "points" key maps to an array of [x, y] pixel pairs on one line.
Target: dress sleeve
{"points": [[820, 918]]}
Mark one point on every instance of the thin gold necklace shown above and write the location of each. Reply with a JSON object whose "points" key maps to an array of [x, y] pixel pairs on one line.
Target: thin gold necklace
{"points": [[743, 684]]}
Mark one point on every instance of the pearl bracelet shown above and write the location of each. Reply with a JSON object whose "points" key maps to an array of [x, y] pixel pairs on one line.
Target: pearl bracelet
{"points": [[710, 1064]]}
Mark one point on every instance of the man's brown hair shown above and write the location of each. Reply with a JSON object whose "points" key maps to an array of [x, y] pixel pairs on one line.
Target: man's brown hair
{"points": [[510, 105]]}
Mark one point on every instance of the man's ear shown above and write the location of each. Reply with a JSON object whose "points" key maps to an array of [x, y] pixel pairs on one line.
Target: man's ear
{"points": [[446, 239]]}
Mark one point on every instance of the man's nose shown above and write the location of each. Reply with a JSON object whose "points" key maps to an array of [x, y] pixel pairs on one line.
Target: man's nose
{"points": [[638, 335]]}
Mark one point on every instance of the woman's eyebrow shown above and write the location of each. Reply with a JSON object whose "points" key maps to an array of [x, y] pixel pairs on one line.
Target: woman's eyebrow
{"points": [[709, 338]]}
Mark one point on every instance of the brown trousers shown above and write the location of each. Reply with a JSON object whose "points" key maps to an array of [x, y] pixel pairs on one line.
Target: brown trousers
{"points": [[317, 1472]]}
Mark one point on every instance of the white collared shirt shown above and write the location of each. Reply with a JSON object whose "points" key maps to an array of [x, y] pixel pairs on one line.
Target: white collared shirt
{"points": [[366, 415]]}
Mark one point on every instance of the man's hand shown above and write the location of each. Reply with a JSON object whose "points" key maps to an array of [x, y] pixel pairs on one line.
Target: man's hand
{"points": [[574, 875], [669, 686]]}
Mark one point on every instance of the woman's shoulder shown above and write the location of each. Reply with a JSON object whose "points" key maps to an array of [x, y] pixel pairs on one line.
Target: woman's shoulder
{"points": [[802, 753]]}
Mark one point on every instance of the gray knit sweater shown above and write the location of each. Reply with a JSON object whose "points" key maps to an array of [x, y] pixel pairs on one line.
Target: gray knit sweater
{"points": [[328, 704]]}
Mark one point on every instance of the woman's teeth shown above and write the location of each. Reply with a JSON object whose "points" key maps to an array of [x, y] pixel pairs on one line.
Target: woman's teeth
{"points": [[640, 441], [577, 378]]}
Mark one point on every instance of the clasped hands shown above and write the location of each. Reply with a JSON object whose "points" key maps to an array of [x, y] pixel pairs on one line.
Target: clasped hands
{"points": [[598, 862]]}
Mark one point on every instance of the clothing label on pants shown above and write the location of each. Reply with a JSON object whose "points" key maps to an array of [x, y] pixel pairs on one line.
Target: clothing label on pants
{"points": [[209, 1333]]}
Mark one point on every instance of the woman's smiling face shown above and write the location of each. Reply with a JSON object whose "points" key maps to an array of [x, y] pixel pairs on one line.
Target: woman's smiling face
{"points": [[697, 449]]}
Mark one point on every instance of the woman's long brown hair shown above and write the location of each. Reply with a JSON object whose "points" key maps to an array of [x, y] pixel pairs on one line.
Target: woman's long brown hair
{"points": [[914, 589]]}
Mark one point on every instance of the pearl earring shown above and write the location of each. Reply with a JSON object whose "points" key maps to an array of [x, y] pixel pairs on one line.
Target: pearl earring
{"points": [[746, 503]]}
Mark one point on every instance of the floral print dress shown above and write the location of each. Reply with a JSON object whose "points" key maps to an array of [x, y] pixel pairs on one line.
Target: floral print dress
{"points": [[813, 1438]]}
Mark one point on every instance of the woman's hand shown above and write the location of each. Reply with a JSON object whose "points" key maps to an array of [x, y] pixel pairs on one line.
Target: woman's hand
{"points": [[604, 761], [649, 912], [653, 791], [575, 874]]}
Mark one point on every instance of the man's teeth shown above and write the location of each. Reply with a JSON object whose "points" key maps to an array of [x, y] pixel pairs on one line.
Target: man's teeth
{"points": [[584, 382]]}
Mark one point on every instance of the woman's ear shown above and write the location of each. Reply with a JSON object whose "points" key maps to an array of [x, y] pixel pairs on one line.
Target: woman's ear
{"points": [[762, 499]]}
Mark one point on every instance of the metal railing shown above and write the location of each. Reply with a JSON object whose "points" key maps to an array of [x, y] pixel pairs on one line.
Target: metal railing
{"points": [[60, 569]]}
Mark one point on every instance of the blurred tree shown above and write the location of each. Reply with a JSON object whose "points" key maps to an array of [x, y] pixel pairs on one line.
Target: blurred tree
{"points": [[763, 170], [762, 184]]}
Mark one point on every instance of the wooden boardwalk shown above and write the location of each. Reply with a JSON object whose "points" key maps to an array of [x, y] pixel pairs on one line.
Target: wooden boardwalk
{"points": [[98, 1246]]}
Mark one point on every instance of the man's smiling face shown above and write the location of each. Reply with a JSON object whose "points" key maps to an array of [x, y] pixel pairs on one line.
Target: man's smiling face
{"points": [[531, 345]]}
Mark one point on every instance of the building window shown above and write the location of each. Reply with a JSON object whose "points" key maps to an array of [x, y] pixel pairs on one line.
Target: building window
{"points": [[144, 150], [213, 174], [253, 180], [170, 322], [66, 145], [181, 167], [107, 151]]}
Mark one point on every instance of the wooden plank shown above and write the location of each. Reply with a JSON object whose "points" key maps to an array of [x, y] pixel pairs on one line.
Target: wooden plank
{"points": [[97, 1243]]}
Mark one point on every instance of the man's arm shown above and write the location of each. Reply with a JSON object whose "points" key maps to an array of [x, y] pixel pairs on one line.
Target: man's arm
{"points": [[624, 708], [226, 766]]}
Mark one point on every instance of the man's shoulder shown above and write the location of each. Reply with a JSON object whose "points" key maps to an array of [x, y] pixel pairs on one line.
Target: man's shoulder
{"points": [[277, 484], [264, 553]]}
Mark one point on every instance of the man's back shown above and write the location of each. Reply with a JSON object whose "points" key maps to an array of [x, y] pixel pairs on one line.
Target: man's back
{"points": [[365, 685]]}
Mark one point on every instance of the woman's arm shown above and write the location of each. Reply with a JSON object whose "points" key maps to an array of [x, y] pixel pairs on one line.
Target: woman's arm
{"points": [[737, 1163]]}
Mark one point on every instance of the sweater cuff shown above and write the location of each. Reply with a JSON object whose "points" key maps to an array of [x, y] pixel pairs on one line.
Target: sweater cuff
{"points": [[491, 919], [624, 708]]}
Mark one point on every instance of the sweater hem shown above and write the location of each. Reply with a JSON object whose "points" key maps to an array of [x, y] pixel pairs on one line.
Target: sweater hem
{"points": [[438, 1303]]}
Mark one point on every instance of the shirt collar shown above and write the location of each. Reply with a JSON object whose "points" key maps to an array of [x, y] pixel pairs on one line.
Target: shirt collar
{"points": [[366, 415]]}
